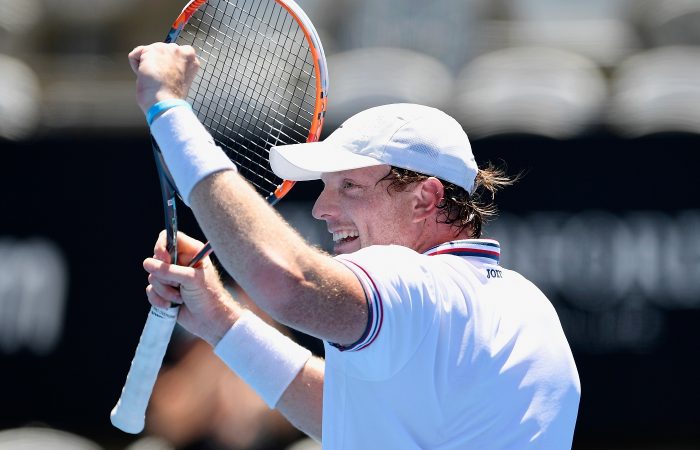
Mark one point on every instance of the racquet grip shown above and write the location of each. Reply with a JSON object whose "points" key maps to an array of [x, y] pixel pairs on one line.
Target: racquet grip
{"points": [[130, 411]]}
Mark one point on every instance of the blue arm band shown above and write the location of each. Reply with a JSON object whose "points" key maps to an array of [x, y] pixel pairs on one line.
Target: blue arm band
{"points": [[164, 105]]}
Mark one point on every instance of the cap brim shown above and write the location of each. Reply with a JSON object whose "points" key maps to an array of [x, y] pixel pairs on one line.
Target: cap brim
{"points": [[308, 161]]}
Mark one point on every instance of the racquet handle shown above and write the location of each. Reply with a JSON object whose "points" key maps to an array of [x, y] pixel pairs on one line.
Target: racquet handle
{"points": [[130, 411]]}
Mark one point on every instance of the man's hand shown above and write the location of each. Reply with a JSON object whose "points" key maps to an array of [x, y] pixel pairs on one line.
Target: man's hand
{"points": [[207, 310], [163, 71]]}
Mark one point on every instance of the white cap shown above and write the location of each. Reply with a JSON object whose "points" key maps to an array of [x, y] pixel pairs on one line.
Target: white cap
{"points": [[414, 137]]}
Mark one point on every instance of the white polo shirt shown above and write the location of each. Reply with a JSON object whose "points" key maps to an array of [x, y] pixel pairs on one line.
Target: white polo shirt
{"points": [[459, 353]]}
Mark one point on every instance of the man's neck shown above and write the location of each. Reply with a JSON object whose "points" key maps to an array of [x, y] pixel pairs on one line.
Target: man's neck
{"points": [[441, 234]]}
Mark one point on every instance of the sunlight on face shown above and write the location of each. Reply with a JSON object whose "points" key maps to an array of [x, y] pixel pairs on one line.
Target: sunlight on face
{"points": [[359, 211]]}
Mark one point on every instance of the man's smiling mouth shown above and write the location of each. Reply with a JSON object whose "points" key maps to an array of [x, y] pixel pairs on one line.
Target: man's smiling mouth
{"points": [[342, 236]]}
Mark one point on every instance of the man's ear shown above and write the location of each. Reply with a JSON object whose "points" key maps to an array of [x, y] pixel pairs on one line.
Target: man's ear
{"points": [[429, 194]]}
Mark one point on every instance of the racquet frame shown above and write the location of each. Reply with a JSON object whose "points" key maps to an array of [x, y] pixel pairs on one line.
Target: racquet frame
{"points": [[129, 412]]}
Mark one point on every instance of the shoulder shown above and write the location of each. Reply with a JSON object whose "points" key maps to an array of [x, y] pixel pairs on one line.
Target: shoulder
{"points": [[388, 262], [381, 251], [381, 255], [400, 292]]}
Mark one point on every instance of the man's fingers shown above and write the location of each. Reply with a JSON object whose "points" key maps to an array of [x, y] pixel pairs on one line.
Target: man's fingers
{"points": [[170, 273], [155, 299], [135, 58], [165, 291], [188, 248], [189, 241], [152, 277], [160, 250]]}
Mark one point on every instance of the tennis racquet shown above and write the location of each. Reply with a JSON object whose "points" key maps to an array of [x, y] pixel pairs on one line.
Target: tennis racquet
{"points": [[262, 82]]}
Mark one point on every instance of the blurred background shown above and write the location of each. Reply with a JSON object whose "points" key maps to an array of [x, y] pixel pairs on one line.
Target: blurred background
{"points": [[597, 102]]}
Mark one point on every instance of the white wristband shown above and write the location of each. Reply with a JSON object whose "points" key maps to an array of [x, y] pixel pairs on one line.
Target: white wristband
{"points": [[262, 356], [188, 149]]}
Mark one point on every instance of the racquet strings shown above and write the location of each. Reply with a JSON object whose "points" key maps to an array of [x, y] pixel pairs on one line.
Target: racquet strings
{"points": [[256, 87]]}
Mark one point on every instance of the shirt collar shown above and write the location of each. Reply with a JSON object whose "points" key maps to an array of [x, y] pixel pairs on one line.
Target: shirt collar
{"points": [[487, 249]]}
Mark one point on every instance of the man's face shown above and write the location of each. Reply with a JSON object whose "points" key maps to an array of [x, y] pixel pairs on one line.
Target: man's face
{"points": [[359, 211]]}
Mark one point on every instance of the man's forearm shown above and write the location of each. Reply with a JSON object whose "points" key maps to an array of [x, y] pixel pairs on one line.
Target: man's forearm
{"points": [[293, 282], [302, 402]]}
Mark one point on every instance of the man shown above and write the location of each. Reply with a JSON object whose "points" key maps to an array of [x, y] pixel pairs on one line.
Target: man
{"points": [[430, 344]]}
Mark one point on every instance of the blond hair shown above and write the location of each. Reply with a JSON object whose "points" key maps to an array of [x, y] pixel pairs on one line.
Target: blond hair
{"points": [[459, 208]]}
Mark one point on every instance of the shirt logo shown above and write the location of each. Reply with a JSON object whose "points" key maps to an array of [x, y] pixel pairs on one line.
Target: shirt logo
{"points": [[494, 273]]}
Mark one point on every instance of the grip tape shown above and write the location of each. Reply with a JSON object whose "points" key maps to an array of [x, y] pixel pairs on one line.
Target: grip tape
{"points": [[130, 411]]}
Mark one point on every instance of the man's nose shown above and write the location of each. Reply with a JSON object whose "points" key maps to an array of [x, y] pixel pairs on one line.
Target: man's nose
{"points": [[323, 207]]}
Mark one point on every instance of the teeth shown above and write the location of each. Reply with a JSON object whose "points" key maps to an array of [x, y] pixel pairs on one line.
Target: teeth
{"points": [[339, 235]]}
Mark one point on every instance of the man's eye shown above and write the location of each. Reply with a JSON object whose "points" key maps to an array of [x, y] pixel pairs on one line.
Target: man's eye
{"points": [[348, 184]]}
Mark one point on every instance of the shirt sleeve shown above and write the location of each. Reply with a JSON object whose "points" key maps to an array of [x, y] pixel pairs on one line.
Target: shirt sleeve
{"points": [[399, 289]]}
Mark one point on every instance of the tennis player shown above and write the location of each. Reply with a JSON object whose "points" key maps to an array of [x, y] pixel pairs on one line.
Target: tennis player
{"points": [[430, 343]]}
